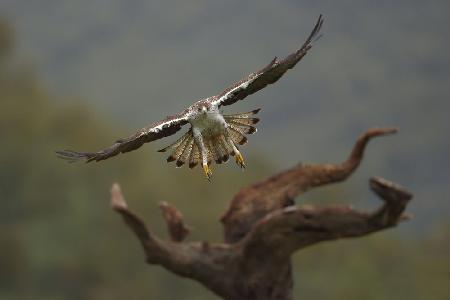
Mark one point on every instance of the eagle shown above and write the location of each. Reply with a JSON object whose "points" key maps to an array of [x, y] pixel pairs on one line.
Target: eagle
{"points": [[212, 136]]}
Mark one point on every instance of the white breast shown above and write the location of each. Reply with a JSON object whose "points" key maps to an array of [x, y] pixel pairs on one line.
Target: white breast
{"points": [[208, 124]]}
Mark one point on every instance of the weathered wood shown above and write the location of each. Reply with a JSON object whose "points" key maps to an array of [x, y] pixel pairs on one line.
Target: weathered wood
{"points": [[263, 229]]}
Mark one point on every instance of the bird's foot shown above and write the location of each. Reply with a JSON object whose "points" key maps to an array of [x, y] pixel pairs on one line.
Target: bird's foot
{"points": [[208, 172], [240, 160]]}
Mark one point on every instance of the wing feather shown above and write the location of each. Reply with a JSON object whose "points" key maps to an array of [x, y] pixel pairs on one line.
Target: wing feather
{"points": [[267, 75], [158, 130]]}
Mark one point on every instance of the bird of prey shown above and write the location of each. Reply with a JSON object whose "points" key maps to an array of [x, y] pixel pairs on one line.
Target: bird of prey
{"points": [[212, 136]]}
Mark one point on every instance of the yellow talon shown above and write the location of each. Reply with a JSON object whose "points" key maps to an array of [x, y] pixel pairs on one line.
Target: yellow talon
{"points": [[207, 171], [240, 160]]}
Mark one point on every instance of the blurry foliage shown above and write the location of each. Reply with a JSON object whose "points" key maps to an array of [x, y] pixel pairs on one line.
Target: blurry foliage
{"points": [[6, 40], [60, 240], [378, 267]]}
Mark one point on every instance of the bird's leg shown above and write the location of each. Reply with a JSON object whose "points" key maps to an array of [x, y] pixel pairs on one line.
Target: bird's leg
{"points": [[238, 156], [199, 140], [207, 171]]}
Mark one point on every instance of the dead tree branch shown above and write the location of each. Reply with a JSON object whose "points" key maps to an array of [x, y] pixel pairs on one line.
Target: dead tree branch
{"points": [[263, 229], [278, 191], [177, 229]]}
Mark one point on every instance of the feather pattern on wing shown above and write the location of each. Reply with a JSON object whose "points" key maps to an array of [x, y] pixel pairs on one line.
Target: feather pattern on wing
{"points": [[267, 75], [161, 129], [217, 135]]}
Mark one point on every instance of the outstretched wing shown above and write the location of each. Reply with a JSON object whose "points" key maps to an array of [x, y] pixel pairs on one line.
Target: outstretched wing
{"points": [[268, 75], [161, 129]]}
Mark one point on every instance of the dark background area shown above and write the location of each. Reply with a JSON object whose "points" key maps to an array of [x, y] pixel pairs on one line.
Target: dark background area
{"points": [[80, 74]]}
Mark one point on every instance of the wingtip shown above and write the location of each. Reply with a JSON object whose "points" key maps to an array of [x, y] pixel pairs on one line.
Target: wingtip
{"points": [[320, 19], [318, 24], [70, 155]]}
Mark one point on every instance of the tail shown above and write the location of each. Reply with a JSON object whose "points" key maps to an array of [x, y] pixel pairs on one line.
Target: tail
{"points": [[181, 149], [218, 148], [241, 124]]}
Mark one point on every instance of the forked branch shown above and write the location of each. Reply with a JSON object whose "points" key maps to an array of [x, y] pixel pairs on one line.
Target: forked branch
{"points": [[263, 229], [297, 227], [255, 201]]}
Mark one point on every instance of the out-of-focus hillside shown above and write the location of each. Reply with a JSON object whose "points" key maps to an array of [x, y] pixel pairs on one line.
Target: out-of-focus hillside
{"points": [[378, 64], [60, 240]]}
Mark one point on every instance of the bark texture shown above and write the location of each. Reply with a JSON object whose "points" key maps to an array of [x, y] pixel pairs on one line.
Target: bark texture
{"points": [[263, 228]]}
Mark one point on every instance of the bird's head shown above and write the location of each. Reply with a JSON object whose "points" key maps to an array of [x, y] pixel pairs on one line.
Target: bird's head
{"points": [[202, 109]]}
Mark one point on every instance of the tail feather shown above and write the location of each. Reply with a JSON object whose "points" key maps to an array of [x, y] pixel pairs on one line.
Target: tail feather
{"points": [[194, 157], [244, 122], [226, 145], [245, 115], [224, 154], [236, 128], [209, 151], [174, 144], [236, 134], [218, 154], [186, 152], [244, 129], [178, 147]]}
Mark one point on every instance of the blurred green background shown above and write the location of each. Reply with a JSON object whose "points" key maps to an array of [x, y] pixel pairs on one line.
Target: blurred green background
{"points": [[80, 74]]}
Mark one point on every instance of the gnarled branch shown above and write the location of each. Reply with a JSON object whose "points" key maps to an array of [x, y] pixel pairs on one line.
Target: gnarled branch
{"points": [[254, 202], [263, 228], [297, 227], [177, 229]]}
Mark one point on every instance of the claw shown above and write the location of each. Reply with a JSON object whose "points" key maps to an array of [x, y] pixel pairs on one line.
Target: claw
{"points": [[208, 172], [240, 160]]}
